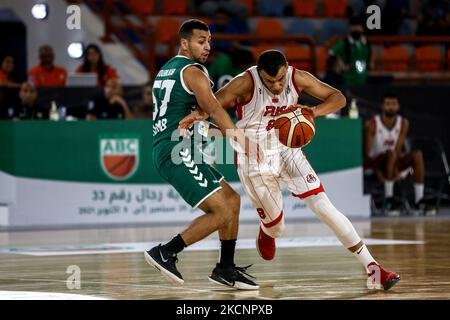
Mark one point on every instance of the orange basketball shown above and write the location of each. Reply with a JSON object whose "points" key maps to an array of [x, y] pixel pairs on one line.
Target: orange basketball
{"points": [[295, 127], [119, 166]]}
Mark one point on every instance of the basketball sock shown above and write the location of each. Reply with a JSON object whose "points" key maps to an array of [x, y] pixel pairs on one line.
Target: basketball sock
{"points": [[418, 191], [335, 220], [227, 248], [363, 255], [388, 189], [175, 245]]}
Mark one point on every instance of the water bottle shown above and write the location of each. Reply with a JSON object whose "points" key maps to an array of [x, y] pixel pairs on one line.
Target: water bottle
{"points": [[353, 112], [54, 115]]}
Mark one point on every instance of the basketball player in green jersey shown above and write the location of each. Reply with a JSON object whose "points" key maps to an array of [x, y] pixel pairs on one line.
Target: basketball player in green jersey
{"points": [[181, 84]]}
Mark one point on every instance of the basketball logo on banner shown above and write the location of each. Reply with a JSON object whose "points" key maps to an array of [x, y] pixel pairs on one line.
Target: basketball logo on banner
{"points": [[119, 156]]}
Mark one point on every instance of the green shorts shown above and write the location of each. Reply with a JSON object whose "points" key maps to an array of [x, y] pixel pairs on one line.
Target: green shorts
{"points": [[195, 182]]}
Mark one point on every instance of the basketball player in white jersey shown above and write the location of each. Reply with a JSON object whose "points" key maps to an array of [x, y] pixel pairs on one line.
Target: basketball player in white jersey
{"points": [[260, 94], [385, 136]]}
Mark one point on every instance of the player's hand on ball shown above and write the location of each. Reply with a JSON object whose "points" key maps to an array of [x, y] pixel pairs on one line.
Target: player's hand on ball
{"points": [[196, 115], [312, 110]]}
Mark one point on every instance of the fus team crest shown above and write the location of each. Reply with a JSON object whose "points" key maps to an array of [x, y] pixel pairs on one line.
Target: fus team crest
{"points": [[119, 157], [310, 178]]}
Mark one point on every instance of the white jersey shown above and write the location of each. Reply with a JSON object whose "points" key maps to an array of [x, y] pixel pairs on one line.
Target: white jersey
{"points": [[385, 139], [257, 115]]}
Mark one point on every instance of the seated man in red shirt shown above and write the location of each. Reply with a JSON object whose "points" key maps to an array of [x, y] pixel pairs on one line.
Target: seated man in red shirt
{"points": [[46, 73]]}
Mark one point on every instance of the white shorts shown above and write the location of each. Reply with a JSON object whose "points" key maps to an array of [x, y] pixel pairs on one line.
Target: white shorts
{"points": [[264, 182]]}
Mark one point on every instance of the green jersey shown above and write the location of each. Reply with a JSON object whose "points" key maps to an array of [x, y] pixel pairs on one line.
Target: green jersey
{"points": [[357, 55], [171, 98]]}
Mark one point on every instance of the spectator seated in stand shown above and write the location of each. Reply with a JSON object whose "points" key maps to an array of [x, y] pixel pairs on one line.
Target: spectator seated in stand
{"points": [[434, 18], [94, 63], [27, 108], [111, 105], [143, 110], [8, 77], [46, 73]]}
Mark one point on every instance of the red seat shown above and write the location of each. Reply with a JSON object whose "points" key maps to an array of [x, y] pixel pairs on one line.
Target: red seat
{"points": [[335, 8], [304, 8], [298, 56], [269, 27], [175, 8], [395, 58], [145, 7], [322, 55], [167, 30], [428, 58]]}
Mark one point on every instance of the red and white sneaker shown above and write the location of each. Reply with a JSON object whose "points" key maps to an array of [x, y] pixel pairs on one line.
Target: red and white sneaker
{"points": [[265, 245], [380, 278]]}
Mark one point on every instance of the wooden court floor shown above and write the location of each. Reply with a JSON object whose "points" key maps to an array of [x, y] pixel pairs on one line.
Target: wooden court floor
{"points": [[305, 272]]}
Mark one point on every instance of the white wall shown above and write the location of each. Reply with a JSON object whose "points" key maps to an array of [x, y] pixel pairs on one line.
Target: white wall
{"points": [[53, 31]]}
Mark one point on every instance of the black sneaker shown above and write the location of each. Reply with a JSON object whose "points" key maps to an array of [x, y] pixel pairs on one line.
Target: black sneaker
{"points": [[233, 277], [392, 207], [164, 261], [418, 208], [424, 207]]}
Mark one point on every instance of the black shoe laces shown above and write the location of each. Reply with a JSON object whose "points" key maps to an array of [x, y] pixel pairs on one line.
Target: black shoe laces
{"points": [[243, 270]]}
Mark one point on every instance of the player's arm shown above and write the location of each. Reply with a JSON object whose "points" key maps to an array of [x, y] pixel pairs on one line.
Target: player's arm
{"points": [[235, 91], [239, 89], [369, 134], [402, 137], [197, 81], [332, 98]]}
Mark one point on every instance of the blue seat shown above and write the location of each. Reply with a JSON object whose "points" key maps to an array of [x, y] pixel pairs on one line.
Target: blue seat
{"points": [[333, 27], [302, 26], [270, 8]]}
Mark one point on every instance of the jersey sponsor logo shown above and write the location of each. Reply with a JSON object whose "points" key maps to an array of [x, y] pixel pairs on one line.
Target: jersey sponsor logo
{"points": [[119, 156], [311, 178], [389, 142], [274, 111]]}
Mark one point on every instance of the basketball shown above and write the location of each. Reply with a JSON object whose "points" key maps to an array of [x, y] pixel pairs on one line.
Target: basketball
{"points": [[119, 166], [296, 127]]}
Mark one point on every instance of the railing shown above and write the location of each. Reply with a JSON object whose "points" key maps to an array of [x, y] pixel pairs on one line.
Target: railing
{"points": [[411, 73], [276, 41], [146, 34], [144, 31]]}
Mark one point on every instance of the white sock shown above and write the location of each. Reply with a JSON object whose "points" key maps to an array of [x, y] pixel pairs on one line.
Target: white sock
{"points": [[364, 256], [389, 189], [418, 191]]}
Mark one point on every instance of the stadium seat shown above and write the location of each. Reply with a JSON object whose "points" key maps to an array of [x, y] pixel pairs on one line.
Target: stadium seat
{"points": [[333, 27], [270, 8], [250, 4], [298, 56], [177, 8], [395, 58], [428, 58], [304, 8], [335, 8], [322, 55], [269, 27], [167, 29], [302, 27], [145, 7]]}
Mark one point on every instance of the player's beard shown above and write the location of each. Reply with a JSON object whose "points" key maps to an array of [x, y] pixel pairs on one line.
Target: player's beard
{"points": [[196, 59], [389, 114]]}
